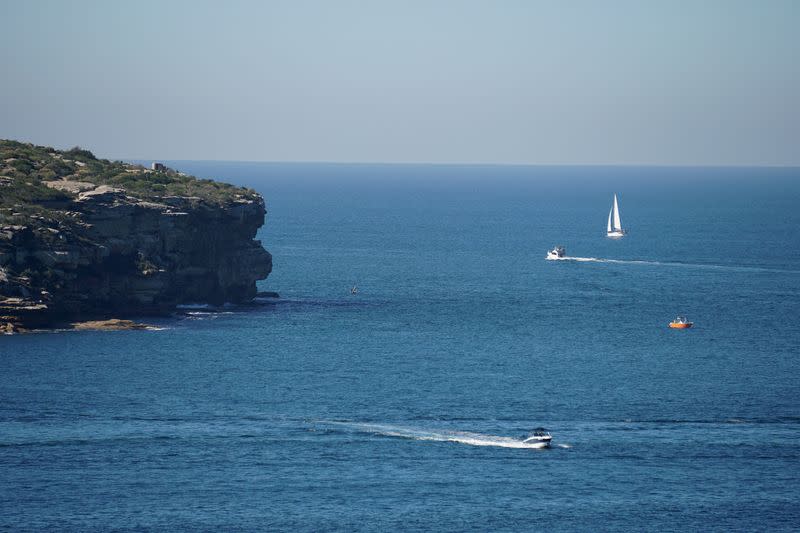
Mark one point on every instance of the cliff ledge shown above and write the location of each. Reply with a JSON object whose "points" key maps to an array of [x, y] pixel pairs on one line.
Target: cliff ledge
{"points": [[86, 238]]}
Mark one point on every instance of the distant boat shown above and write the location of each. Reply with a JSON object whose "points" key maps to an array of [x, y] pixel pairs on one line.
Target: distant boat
{"points": [[614, 228], [556, 253], [354, 290], [539, 438], [681, 323]]}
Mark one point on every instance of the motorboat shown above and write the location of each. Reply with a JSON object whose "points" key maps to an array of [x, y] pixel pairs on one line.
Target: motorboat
{"points": [[614, 227], [540, 437], [556, 253], [354, 290], [681, 322]]}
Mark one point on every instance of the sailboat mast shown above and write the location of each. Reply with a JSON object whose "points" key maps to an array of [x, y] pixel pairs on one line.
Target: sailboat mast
{"points": [[615, 209]]}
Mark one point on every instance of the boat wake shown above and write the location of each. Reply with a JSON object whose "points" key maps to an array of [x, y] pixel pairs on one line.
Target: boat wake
{"points": [[674, 264], [462, 437], [620, 261]]}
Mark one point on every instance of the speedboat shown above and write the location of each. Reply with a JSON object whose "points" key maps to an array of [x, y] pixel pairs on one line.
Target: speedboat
{"points": [[556, 253], [540, 437], [681, 322]]}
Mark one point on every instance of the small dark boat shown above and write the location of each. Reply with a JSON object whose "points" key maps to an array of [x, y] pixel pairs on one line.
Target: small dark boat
{"points": [[540, 437]]}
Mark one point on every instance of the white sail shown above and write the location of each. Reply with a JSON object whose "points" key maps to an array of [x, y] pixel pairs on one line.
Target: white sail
{"points": [[617, 223], [614, 223]]}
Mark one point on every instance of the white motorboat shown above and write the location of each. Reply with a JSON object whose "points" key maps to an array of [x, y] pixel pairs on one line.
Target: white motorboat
{"points": [[614, 226], [539, 436], [556, 253]]}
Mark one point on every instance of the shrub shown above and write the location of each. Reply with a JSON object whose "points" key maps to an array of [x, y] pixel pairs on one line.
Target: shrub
{"points": [[79, 154]]}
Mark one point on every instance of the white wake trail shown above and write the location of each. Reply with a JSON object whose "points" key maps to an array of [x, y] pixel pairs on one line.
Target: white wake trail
{"points": [[675, 264], [620, 261], [463, 437]]}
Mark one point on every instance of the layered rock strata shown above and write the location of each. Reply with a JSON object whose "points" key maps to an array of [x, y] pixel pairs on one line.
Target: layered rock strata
{"points": [[101, 252]]}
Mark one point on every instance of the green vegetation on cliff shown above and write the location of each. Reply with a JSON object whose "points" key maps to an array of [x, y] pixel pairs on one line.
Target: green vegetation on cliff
{"points": [[31, 174], [86, 237]]}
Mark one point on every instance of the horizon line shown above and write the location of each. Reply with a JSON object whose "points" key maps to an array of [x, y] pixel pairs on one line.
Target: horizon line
{"points": [[472, 164], [439, 163]]}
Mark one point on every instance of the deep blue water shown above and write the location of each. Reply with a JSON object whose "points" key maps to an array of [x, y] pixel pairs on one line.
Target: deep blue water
{"points": [[391, 409]]}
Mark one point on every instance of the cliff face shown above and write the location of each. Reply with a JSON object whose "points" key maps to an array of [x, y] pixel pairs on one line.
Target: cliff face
{"points": [[99, 251]]}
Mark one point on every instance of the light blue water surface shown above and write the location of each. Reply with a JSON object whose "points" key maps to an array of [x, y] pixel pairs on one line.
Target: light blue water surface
{"points": [[390, 409]]}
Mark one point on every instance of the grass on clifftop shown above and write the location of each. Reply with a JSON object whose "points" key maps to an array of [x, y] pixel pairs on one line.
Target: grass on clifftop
{"points": [[24, 169]]}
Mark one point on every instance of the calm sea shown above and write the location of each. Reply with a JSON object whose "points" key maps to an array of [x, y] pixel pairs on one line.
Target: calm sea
{"points": [[398, 407]]}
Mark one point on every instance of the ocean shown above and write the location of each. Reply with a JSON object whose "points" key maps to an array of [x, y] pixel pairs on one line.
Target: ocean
{"points": [[401, 407]]}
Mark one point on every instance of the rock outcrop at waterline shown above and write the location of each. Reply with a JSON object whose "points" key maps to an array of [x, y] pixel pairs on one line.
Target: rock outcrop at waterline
{"points": [[82, 237]]}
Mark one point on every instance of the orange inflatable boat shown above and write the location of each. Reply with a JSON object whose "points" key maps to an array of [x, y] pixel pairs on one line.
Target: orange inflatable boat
{"points": [[681, 323]]}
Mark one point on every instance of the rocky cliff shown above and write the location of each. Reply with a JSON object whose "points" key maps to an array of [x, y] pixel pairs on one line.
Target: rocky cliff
{"points": [[87, 238]]}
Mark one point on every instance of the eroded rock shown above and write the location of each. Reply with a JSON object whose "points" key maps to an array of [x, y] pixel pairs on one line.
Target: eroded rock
{"points": [[112, 324]]}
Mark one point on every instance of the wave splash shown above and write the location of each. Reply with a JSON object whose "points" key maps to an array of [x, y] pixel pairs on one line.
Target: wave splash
{"points": [[462, 437]]}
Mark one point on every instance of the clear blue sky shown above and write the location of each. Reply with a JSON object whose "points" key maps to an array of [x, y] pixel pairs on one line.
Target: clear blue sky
{"points": [[574, 82]]}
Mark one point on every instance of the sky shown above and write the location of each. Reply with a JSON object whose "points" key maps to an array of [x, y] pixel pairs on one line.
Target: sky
{"points": [[628, 82]]}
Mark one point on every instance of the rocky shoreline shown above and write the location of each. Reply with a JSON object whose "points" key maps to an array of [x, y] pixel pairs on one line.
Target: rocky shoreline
{"points": [[111, 324], [85, 250]]}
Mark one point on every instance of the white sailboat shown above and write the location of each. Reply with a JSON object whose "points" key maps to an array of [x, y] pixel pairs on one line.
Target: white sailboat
{"points": [[614, 228]]}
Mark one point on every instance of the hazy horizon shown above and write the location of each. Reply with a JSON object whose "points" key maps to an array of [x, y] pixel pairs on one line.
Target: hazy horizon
{"points": [[512, 83], [139, 160]]}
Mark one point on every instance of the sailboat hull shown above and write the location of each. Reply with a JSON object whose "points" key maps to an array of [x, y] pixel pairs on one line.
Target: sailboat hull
{"points": [[615, 234]]}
